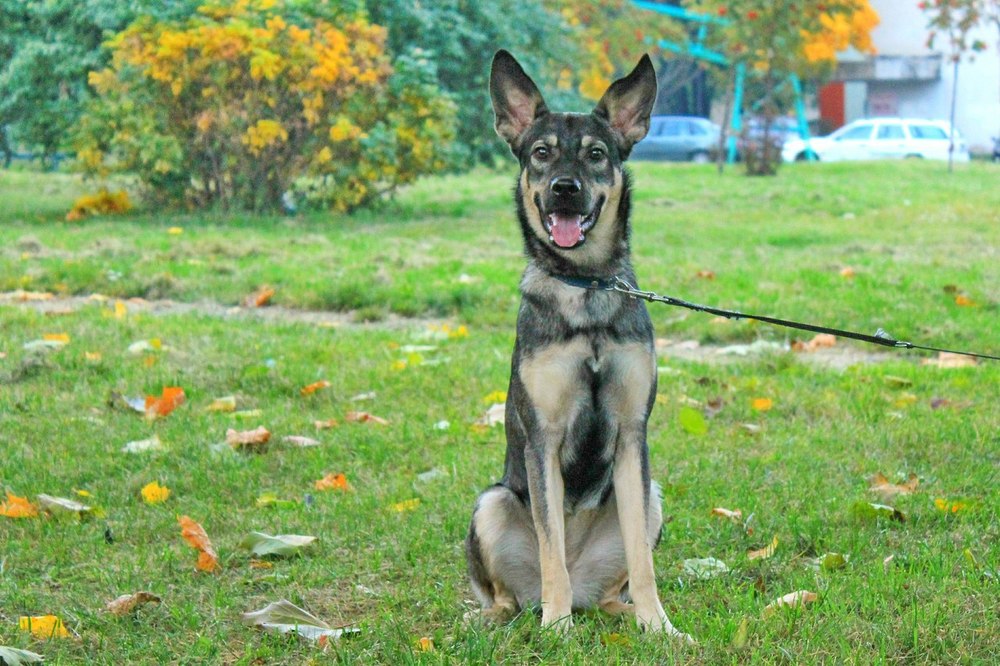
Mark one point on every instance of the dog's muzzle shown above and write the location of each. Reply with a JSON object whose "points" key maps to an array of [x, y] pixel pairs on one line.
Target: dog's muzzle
{"points": [[568, 229]]}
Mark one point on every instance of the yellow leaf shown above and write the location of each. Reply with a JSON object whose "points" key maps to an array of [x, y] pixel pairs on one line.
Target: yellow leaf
{"points": [[56, 337], [495, 396], [332, 482], [175, 231], [92, 357], [425, 644], [43, 626], [154, 493], [762, 404], [224, 404], [948, 506], [121, 310], [765, 552], [405, 505]]}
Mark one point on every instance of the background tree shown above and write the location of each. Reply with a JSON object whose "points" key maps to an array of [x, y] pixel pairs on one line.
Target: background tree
{"points": [[243, 102], [775, 39]]}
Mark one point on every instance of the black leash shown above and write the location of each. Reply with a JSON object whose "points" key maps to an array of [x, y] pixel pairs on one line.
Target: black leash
{"points": [[880, 338]]}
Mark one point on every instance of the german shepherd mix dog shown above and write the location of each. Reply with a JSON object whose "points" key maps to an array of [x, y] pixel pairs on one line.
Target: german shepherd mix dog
{"points": [[573, 521]]}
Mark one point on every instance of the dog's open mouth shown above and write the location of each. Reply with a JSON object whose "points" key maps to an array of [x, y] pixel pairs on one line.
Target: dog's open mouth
{"points": [[568, 229]]}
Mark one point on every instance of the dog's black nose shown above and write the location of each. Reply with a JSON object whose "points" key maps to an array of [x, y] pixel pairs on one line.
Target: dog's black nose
{"points": [[564, 186]]}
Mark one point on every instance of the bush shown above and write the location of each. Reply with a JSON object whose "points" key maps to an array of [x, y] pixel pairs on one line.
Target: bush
{"points": [[242, 103]]}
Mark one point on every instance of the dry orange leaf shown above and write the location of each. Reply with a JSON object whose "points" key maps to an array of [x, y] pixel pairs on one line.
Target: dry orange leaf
{"points": [[326, 425], [315, 386], [949, 507], [765, 552], [735, 516], [950, 360], [56, 337], [820, 341], [425, 644], [195, 535], [964, 301], [127, 603], [847, 272], [43, 626], [881, 485], [364, 417], [17, 507], [705, 275], [259, 298], [253, 440], [333, 482], [762, 404], [791, 600], [168, 401]]}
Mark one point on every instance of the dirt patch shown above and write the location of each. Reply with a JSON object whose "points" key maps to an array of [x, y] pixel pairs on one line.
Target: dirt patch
{"points": [[56, 305], [837, 357]]}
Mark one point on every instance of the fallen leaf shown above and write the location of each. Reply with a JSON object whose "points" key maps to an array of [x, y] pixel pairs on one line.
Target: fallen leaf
{"points": [[154, 493], [964, 301], [43, 626], [761, 404], [495, 415], [950, 360], [270, 499], [141, 445], [300, 441], [495, 396], [705, 568], [326, 425], [56, 505], [261, 564], [127, 603], [250, 440], [432, 475], [872, 511], [15, 656], [92, 357], [43, 345], [285, 617], [56, 337], [742, 634], [224, 404], [247, 414], [614, 638], [121, 310], [168, 401], [847, 272], [896, 382], [832, 561], [791, 600], [878, 483], [751, 428], [692, 421], [315, 386], [26, 296], [705, 275], [405, 505], [819, 341], [765, 552], [332, 482], [175, 231], [117, 400], [282, 545], [425, 644], [948, 506], [364, 417], [259, 298], [17, 507], [195, 535], [735, 516], [146, 346]]}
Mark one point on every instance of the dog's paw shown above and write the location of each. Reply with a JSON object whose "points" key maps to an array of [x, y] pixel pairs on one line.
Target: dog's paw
{"points": [[493, 616], [656, 622], [560, 623]]}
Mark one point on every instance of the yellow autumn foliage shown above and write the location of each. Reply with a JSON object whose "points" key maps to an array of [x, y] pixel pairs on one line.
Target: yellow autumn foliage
{"points": [[247, 101]]}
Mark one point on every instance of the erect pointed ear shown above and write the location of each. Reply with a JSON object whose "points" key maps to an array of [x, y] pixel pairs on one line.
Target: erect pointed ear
{"points": [[516, 100], [627, 103]]}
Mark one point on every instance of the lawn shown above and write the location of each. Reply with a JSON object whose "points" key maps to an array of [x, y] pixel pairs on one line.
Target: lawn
{"points": [[415, 303]]}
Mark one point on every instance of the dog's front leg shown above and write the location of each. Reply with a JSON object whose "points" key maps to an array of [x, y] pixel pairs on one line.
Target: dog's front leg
{"points": [[631, 483], [547, 493]]}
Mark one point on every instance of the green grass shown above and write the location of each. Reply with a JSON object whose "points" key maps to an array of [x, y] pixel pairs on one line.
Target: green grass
{"points": [[776, 246]]}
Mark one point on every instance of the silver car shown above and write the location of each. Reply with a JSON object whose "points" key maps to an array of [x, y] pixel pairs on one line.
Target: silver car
{"points": [[679, 139]]}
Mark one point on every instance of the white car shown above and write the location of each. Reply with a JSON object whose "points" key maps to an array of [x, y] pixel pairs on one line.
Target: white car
{"points": [[881, 139]]}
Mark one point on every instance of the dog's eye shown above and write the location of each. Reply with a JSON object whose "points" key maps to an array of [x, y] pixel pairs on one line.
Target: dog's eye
{"points": [[541, 152], [596, 154]]}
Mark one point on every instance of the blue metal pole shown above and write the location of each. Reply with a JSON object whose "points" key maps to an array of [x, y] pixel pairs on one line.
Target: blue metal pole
{"points": [[800, 112], [737, 122]]}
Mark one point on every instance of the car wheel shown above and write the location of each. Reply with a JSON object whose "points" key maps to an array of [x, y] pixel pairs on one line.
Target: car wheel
{"points": [[701, 157], [807, 155]]}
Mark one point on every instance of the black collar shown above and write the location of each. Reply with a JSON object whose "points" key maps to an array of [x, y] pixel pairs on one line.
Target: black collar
{"points": [[599, 284]]}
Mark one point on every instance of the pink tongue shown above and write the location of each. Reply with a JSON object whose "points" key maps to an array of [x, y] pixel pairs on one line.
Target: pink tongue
{"points": [[566, 229]]}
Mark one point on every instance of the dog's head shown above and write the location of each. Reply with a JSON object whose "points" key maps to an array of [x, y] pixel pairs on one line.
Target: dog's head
{"points": [[572, 188]]}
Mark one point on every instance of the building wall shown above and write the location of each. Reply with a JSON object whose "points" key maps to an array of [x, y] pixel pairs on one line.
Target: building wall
{"points": [[903, 31]]}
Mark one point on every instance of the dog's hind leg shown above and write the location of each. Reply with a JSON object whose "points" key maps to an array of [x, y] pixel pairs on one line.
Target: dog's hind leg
{"points": [[502, 553]]}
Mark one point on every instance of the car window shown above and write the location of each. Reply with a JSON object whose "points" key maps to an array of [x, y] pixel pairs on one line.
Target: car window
{"points": [[859, 133], [672, 128], [697, 129], [928, 132], [890, 132]]}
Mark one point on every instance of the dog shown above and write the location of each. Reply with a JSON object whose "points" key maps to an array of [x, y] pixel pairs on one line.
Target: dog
{"points": [[572, 523]]}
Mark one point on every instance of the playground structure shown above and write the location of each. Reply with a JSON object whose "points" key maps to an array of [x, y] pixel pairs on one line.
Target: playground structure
{"points": [[696, 49]]}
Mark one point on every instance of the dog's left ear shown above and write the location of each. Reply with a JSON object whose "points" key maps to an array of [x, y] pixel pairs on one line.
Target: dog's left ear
{"points": [[627, 104]]}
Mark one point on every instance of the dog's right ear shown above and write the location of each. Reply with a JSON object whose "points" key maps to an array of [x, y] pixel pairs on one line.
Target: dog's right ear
{"points": [[516, 100]]}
